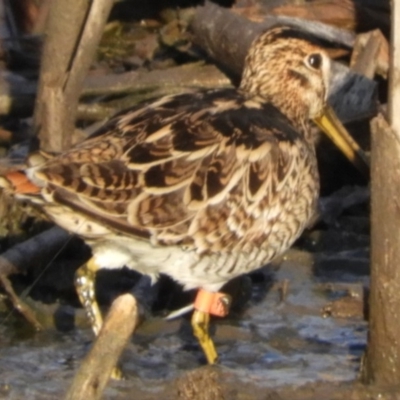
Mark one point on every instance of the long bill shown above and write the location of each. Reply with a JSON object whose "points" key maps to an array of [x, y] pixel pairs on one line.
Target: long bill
{"points": [[330, 124]]}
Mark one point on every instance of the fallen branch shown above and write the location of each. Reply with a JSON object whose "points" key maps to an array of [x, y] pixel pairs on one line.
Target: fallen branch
{"points": [[185, 76], [95, 371]]}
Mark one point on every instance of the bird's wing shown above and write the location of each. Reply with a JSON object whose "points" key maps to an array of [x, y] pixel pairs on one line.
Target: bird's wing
{"points": [[161, 166]]}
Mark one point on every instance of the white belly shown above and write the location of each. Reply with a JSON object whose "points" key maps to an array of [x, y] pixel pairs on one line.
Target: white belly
{"points": [[192, 270]]}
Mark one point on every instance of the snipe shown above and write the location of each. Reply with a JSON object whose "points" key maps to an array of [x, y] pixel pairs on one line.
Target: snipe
{"points": [[201, 186]]}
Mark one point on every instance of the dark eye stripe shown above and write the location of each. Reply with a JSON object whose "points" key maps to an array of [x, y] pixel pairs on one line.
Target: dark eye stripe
{"points": [[315, 60]]}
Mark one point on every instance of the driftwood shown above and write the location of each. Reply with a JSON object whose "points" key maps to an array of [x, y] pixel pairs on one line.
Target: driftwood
{"points": [[95, 371], [227, 37]]}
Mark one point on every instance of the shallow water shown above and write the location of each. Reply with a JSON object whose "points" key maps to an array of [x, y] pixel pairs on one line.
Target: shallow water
{"points": [[271, 343]]}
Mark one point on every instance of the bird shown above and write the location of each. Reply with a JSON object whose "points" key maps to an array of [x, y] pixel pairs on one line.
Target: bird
{"points": [[202, 186]]}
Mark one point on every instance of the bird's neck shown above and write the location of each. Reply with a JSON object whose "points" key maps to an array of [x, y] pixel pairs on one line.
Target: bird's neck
{"points": [[293, 112], [303, 126]]}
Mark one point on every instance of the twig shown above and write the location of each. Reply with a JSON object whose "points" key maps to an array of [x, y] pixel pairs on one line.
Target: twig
{"points": [[18, 304], [39, 250]]}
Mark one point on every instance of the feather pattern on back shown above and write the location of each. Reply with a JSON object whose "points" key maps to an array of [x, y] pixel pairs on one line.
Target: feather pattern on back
{"points": [[175, 177]]}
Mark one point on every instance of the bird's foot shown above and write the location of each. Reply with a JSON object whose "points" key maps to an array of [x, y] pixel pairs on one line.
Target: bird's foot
{"points": [[85, 287], [117, 374]]}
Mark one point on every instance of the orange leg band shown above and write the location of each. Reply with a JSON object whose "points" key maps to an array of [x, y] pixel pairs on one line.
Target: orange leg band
{"points": [[212, 303], [21, 184]]}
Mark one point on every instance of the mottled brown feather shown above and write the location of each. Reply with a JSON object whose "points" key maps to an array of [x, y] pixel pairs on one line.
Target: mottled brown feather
{"points": [[161, 182]]}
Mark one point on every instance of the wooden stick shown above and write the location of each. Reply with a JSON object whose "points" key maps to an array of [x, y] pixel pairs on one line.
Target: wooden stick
{"points": [[95, 371]]}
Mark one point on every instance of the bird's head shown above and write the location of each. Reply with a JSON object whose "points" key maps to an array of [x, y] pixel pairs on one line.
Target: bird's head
{"points": [[284, 68]]}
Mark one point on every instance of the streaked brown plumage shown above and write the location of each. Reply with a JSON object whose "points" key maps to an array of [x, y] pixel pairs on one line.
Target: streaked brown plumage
{"points": [[202, 186]]}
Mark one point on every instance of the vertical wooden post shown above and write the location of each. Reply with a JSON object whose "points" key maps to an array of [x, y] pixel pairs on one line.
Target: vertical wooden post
{"points": [[382, 364], [73, 32], [394, 83], [54, 109]]}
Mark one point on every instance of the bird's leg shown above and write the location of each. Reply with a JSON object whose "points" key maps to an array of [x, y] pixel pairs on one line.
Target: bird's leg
{"points": [[85, 286], [207, 303], [200, 324]]}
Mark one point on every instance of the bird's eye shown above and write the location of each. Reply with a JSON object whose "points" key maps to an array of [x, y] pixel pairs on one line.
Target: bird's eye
{"points": [[315, 60]]}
